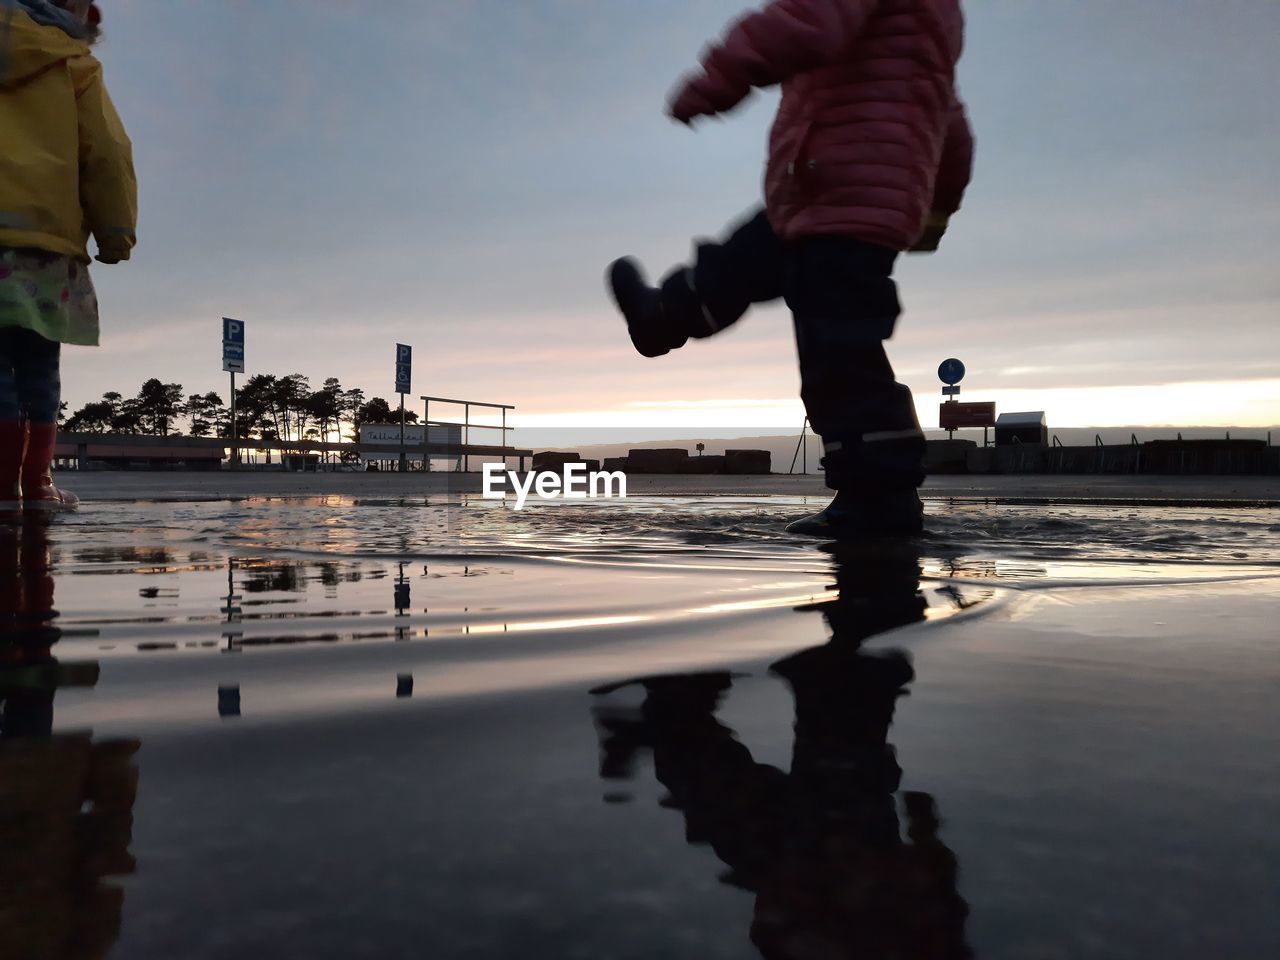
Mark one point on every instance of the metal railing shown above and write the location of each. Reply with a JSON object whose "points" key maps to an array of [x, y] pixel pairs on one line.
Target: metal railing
{"points": [[466, 425]]}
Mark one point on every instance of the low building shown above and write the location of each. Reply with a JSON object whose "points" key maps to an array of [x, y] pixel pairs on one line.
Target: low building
{"points": [[1024, 427]]}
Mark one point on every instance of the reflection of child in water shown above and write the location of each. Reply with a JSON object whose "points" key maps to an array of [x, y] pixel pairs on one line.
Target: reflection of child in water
{"points": [[820, 846], [66, 815], [66, 801]]}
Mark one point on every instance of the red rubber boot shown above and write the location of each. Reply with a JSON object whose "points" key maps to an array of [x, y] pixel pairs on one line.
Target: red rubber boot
{"points": [[38, 490], [13, 446]]}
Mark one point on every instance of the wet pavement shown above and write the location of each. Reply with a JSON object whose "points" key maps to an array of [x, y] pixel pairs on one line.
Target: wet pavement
{"points": [[434, 726]]}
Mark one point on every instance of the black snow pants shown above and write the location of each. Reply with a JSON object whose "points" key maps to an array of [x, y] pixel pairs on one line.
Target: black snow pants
{"points": [[844, 304]]}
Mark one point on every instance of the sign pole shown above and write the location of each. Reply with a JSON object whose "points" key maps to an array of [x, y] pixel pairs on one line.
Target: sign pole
{"points": [[951, 372], [404, 463], [235, 451]]}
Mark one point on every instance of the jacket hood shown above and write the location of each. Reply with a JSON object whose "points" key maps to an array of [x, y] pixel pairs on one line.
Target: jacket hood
{"points": [[28, 48]]}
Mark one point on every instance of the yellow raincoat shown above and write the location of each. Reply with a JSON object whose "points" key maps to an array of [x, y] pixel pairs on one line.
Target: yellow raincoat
{"points": [[66, 164]]}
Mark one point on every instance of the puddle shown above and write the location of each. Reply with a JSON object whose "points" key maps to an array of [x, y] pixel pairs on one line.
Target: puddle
{"points": [[653, 728], [153, 577]]}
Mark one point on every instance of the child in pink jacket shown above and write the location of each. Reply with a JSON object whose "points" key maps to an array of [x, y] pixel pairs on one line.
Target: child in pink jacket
{"points": [[869, 156]]}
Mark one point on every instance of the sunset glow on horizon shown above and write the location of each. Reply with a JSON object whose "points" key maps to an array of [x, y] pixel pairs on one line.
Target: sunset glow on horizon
{"points": [[1241, 404]]}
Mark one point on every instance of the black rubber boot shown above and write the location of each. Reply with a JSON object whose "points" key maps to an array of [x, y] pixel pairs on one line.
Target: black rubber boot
{"points": [[851, 517], [654, 331]]}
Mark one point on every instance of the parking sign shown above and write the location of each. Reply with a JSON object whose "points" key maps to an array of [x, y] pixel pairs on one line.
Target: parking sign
{"points": [[404, 368], [232, 345]]}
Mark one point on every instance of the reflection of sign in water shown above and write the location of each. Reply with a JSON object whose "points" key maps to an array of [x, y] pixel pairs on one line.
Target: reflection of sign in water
{"points": [[232, 632], [229, 700], [402, 608], [404, 367], [402, 594]]}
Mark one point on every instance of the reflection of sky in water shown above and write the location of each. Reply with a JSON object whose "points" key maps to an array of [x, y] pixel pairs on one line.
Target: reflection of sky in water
{"points": [[431, 526], [157, 575]]}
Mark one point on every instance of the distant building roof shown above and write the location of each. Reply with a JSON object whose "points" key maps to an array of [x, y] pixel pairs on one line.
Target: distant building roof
{"points": [[1026, 418]]}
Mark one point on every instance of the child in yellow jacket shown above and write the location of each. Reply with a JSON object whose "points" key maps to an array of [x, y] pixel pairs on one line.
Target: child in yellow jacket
{"points": [[66, 171]]}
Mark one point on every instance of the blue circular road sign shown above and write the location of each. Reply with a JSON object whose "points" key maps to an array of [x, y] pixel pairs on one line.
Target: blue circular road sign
{"points": [[951, 371]]}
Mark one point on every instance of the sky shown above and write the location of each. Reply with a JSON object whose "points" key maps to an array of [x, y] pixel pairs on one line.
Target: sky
{"points": [[457, 174]]}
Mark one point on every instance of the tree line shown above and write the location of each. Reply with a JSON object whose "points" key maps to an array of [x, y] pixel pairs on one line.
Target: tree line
{"points": [[267, 408]]}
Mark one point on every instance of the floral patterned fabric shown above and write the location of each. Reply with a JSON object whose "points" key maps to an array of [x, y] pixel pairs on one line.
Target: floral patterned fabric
{"points": [[48, 293]]}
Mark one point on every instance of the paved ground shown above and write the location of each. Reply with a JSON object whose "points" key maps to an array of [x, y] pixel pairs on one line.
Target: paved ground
{"points": [[1256, 491]]}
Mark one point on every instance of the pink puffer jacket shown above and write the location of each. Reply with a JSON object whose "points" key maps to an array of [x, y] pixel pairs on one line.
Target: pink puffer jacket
{"points": [[870, 137]]}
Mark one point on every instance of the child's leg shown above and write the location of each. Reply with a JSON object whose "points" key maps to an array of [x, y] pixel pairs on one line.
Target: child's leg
{"points": [[845, 304], [38, 377], [726, 278], [705, 297], [9, 349], [39, 395], [13, 435]]}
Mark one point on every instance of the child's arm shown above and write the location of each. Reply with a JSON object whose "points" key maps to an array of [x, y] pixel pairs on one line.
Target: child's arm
{"points": [[108, 187], [769, 46], [954, 171], [956, 166]]}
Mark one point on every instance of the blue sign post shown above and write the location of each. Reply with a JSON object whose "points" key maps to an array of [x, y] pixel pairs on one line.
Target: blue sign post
{"points": [[404, 368], [233, 363], [404, 379], [950, 372], [232, 345]]}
